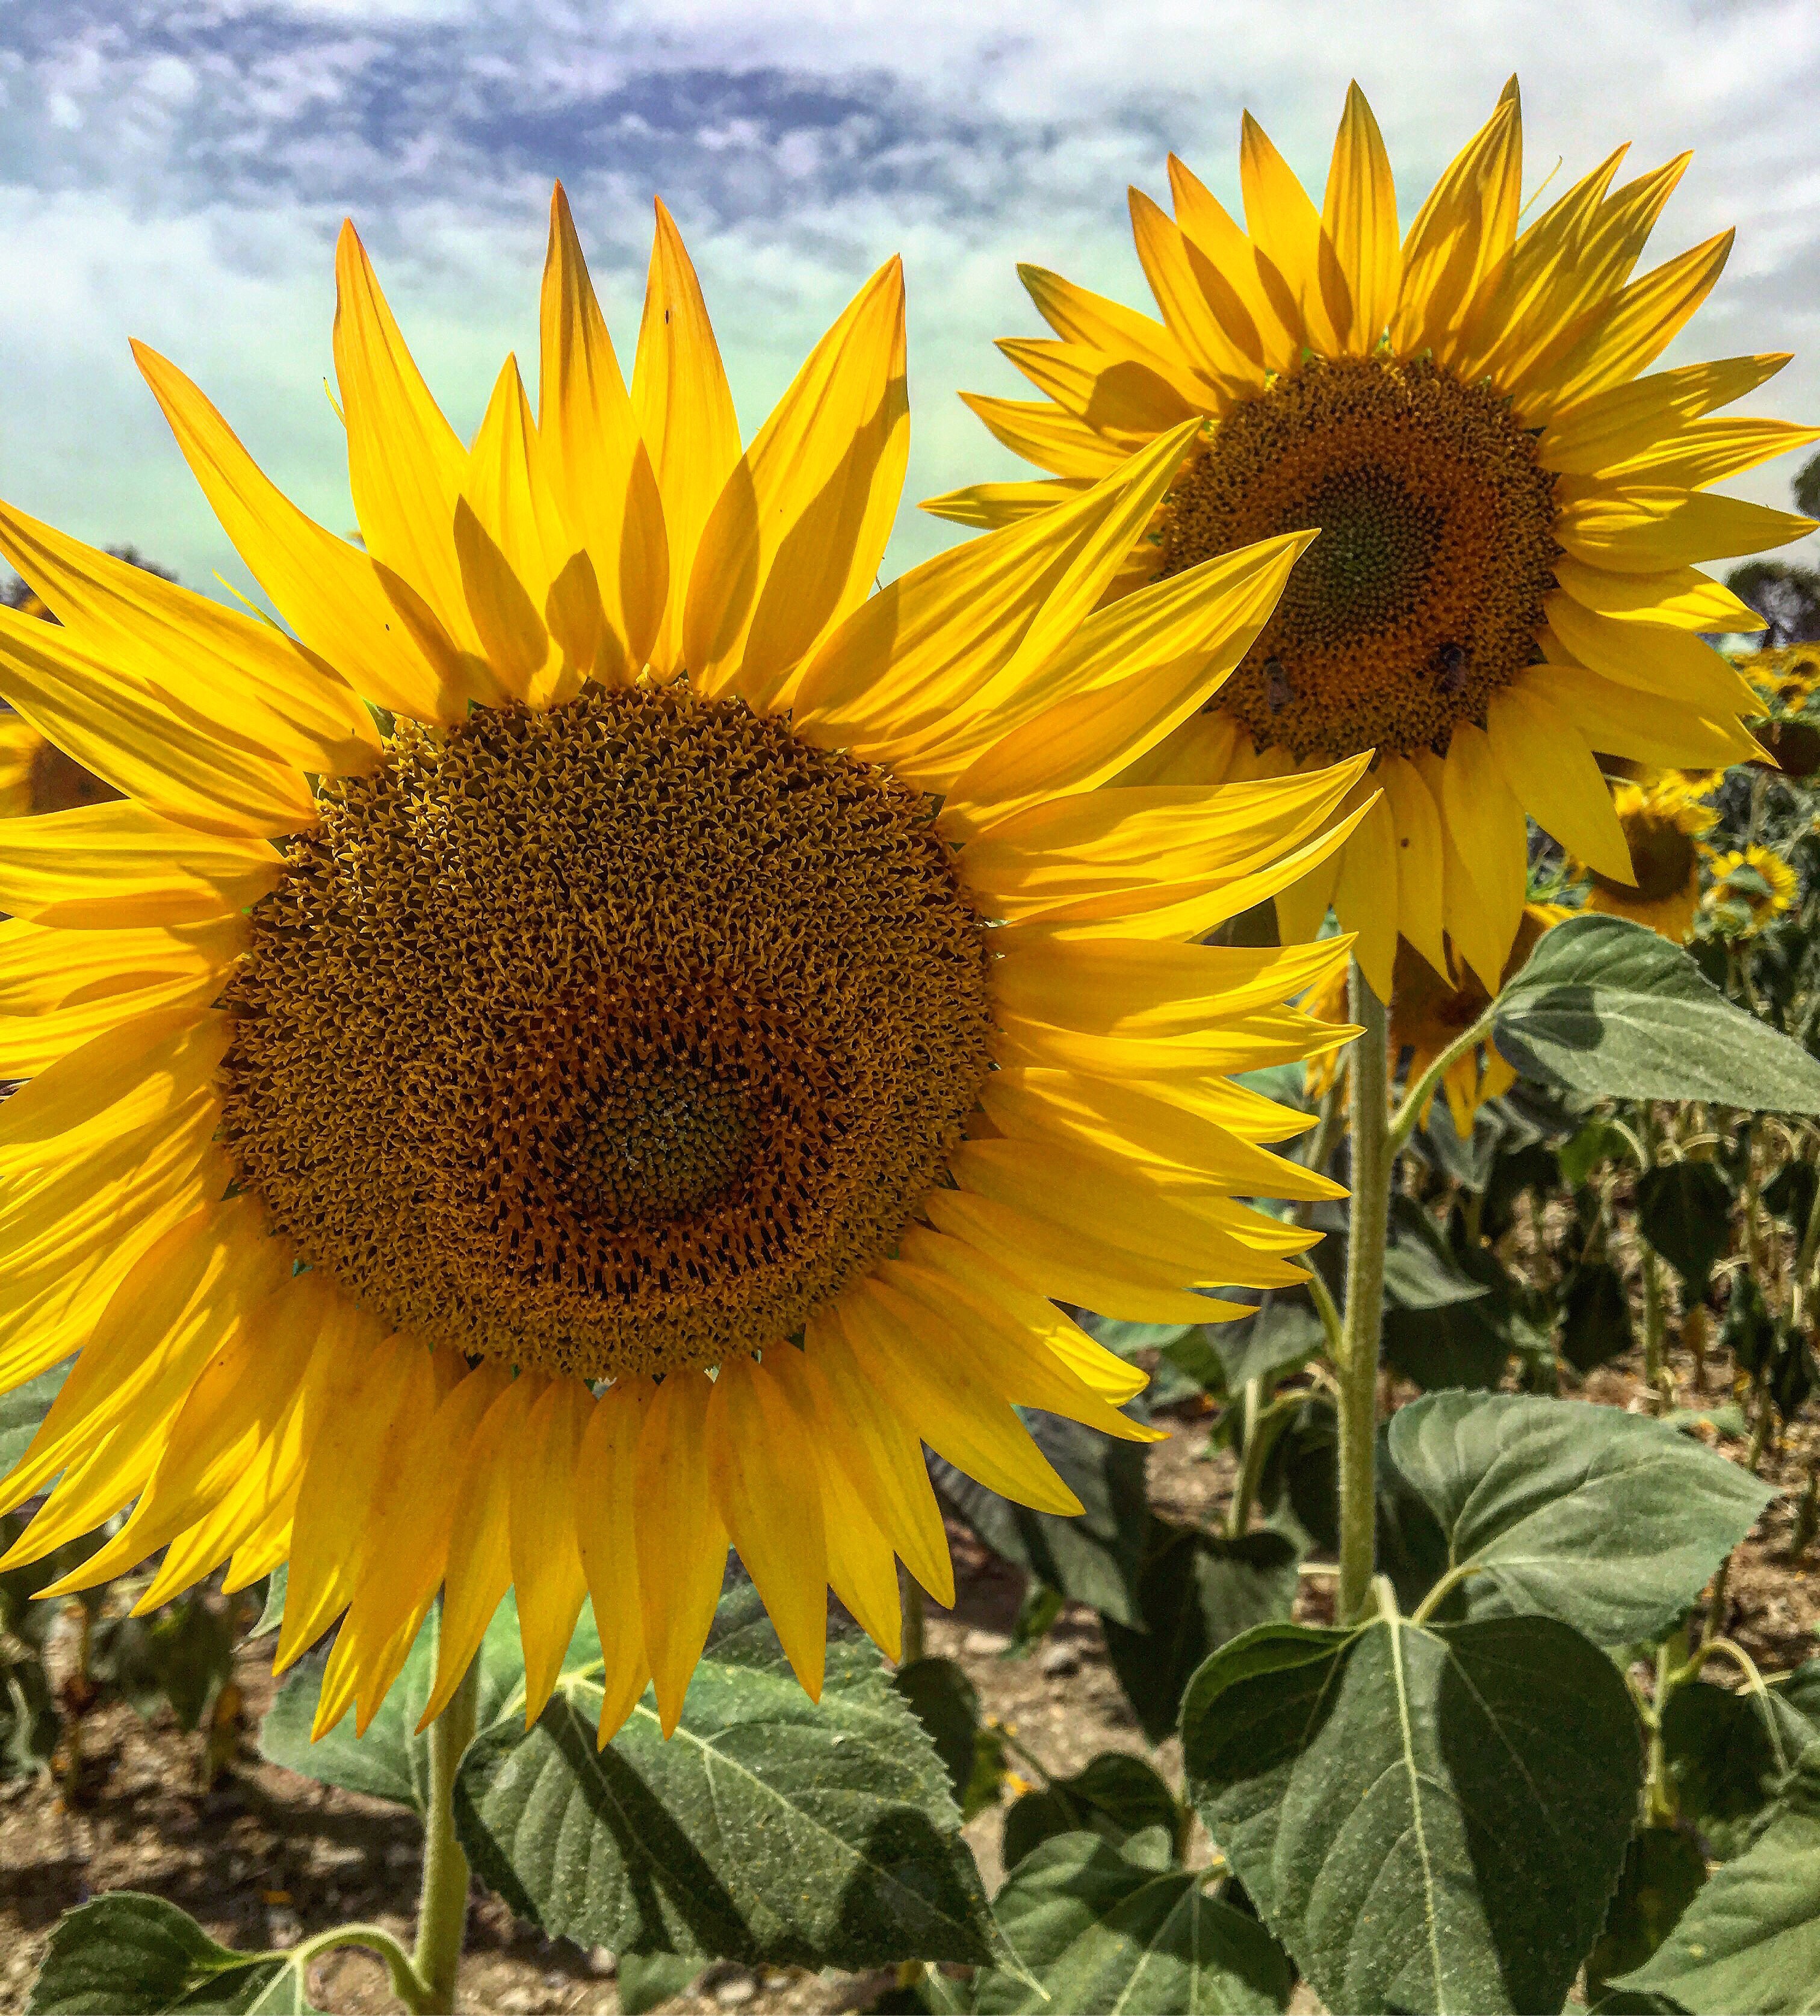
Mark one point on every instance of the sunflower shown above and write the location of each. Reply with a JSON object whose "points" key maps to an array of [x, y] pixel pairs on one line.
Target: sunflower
{"points": [[1508, 511], [1665, 824], [1429, 1013], [1750, 888], [610, 1038]]}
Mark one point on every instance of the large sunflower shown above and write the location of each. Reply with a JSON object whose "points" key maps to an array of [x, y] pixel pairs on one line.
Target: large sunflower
{"points": [[1510, 513], [621, 1084]]}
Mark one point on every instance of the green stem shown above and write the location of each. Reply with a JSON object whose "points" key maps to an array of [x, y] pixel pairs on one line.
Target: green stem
{"points": [[1265, 1420], [1357, 1368], [442, 1910], [1415, 1100], [1655, 1323], [916, 1636], [1671, 1666], [406, 1985]]}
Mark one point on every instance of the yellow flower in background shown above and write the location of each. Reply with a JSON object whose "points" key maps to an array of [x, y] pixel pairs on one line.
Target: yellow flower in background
{"points": [[1664, 825], [1510, 514], [1790, 675], [633, 1101], [1429, 1013], [1750, 888]]}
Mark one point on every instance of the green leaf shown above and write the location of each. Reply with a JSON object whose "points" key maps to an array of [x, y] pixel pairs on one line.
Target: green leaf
{"points": [[1597, 1141], [391, 1761], [1595, 1315], [1610, 1521], [946, 1704], [1115, 1796], [1606, 1006], [1684, 1211], [1663, 1869], [29, 1721], [1102, 1928], [271, 1616], [1282, 1337], [129, 1955], [1751, 1938], [1728, 1753], [1197, 1590], [644, 1980], [1091, 1558], [1429, 1817], [22, 1408], [1789, 1193], [768, 1829]]}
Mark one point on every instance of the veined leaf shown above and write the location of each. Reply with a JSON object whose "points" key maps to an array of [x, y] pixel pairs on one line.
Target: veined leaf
{"points": [[129, 1955]]}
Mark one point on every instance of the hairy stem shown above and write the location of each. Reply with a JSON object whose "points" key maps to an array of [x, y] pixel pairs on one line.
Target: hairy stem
{"points": [[442, 1910], [1363, 1325], [406, 1985]]}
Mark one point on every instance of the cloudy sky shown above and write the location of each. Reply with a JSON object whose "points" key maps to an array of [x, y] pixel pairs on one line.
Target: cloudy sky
{"points": [[178, 172]]}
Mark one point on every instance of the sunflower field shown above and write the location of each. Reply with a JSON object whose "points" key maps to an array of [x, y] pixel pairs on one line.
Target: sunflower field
{"points": [[1086, 1282]]}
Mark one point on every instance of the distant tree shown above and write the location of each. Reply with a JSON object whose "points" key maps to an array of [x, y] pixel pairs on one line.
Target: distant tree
{"points": [[1806, 487], [1787, 598]]}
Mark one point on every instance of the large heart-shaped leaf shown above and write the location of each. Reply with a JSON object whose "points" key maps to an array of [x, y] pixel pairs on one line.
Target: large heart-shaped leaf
{"points": [[1751, 1939], [1612, 1522], [1606, 1006], [1101, 1928], [768, 1829], [1091, 1558], [392, 1761], [1197, 1590], [1430, 1817], [131, 1955], [1685, 1211]]}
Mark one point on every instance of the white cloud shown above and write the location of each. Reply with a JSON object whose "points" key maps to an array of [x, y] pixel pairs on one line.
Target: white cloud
{"points": [[179, 172]]}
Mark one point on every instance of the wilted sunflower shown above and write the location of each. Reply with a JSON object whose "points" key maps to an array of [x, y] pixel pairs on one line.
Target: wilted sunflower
{"points": [[1749, 888], [630, 1097], [1429, 1013], [1509, 512], [1664, 822]]}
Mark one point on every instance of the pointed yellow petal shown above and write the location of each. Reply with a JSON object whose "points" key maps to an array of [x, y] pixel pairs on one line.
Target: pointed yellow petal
{"points": [[1043, 432], [796, 539], [1121, 400], [1359, 217], [1226, 267], [686, 414], [1637, 528], [1614, 724], [1681, 597], [1364, 892], [1170, 266], [1701, 452], [681, 1540], [606, 1511], [1294, 253], [1550, 769], [1416, 823], [1097, 323], [1462, 232], [1666, 663], [117, 864], [1143, 989], [1486, 823], [597, 460], [546, 1561], [988, 506], [757, 1462], [327, 591], [1628, 419]]}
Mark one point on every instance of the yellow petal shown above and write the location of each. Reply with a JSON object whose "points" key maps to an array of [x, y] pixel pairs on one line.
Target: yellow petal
{"points": [[42, 968], [1096, 323], [327, 591], [546, 1559], [1363, 890], [111, 865], [1142, 989], [686, 414], [171, 755], [1180, 640], [891, 1339], [1294, 257], [795, 541], [1628, 336], [1665, 663], [1626, 420], [681, 1539], [30, 1044], [597, 460], [378, 1392], [1461, 235], [1681, 597], [247, 676], [1700, 452], [1637, 528], [1119, 398], [1359, 217], [1041, 432], [988, 506], [1486, 825], [1551, 770], [606, 1508], [913, 656], [405, 466], [1170, 266], [1609, 717], [876, 1450], [758, 1463], [480, 1544], [1416, 821], [1226, 266], [529, 589]]}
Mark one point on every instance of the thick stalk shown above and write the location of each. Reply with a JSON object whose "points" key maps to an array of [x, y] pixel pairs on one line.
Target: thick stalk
{"points": [[1655, 1323], [1369, 1075], [442, 1909], [1671, 1667]]}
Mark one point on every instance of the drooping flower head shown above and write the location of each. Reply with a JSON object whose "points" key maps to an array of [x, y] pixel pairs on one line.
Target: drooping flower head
{"points": [[1750, 887], [609, 1036], [1665, 822], [1511, 514]]}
